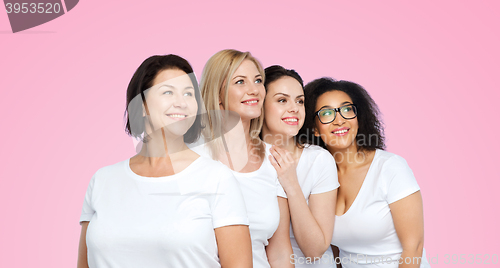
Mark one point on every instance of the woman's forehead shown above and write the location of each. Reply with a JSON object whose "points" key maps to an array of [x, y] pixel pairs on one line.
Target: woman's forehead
{"points": [[333, 98]]}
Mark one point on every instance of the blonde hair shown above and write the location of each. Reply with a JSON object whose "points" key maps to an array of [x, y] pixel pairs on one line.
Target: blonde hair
{"points": [[215, 81]]}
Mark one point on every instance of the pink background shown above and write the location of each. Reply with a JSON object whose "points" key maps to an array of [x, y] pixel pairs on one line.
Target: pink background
{"points": [[432, 67]]}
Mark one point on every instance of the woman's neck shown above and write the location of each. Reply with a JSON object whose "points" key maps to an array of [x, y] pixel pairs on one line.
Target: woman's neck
{"points": [[349, 158], [234, 136], [281, 140], [160, 146]]}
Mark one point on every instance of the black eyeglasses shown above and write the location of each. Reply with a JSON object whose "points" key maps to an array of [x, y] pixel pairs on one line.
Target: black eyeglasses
{"points": [[328, 115]]}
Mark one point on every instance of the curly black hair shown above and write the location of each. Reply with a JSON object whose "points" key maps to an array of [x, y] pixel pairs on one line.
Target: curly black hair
{"points": [[370, 134]]}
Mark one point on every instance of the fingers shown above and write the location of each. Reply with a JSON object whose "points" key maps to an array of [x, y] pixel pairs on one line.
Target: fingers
{"points": [[277, 156], [282, 155], [275, 164]]}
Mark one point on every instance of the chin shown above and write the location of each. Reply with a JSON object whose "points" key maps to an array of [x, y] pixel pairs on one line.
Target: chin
{"points": [[339, 145], [249, 116]]}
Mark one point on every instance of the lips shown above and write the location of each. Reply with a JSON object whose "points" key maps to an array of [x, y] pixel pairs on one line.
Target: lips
{"points": [[251, 102], [341, 131], [293, 121], [177, 116]]}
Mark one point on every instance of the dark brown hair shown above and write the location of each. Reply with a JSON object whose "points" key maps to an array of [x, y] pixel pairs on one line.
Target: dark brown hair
{"points": [[276, 72], [143, 79]]}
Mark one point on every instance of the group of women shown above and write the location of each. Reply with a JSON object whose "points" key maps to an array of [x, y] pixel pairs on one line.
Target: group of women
{"points": [[252, 169]]}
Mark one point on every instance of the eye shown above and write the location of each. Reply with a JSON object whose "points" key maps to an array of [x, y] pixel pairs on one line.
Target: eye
{"points": [[346, 109], [240, 82], [282, 100], [300, 101], [190, 94], [325, 113], [258, 81], [168, 92]]}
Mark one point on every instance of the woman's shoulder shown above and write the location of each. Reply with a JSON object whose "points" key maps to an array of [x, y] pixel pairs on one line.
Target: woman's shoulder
{"points": [[112, 169], [390, 160], [314, 149], [316, 154], [207, 167]]}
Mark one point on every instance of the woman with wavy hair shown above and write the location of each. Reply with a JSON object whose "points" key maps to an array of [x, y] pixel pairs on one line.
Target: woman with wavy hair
{"points": [[233, 91]]}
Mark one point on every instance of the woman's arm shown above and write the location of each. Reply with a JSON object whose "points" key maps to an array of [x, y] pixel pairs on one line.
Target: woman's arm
{"points": [[312, 224], [408, 216], [235, 246], [82, 247], [279, 250]]}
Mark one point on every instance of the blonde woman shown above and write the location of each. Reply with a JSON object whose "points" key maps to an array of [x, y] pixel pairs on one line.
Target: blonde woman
{"points": [[232, 86]]}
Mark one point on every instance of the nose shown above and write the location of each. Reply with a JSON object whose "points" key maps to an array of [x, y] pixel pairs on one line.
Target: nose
{"points": [[294, 108], [339, 120], [254, 89], [179, 101]]}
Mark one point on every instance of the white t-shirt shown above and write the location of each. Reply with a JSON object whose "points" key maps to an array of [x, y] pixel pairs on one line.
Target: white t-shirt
{"points": [[367, 228], [317, 173], [167, 221], [260, 190]]}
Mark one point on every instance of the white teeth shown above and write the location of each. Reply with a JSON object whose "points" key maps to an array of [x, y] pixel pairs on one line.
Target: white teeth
{"points": [[340, 131], [290, 120], [177, 115], [254, 101]]}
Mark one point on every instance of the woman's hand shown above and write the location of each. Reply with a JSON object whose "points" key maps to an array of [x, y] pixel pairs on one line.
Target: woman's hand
{"points": [[285, 165]]}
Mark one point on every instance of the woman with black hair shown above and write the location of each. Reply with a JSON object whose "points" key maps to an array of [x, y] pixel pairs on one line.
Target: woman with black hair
{"points": [[166, 206], [379, 212]]}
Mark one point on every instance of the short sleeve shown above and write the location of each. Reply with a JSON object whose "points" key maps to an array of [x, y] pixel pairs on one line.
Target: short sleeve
{"points": [[228, 207], [326, 178], [279, 189], [88, 208], [400, 179]]}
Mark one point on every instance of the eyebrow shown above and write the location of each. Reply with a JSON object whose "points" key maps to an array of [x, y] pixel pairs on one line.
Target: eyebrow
{"points": [[286, 95], [328, 106], [242, 76], [172, 87]]}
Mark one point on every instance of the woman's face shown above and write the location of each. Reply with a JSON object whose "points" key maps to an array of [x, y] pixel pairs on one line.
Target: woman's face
{"points": [[341, 133], [171, 103], [246, 91], [284, 107]]}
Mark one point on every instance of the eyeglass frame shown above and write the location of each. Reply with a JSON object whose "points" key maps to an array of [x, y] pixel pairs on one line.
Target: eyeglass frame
{"points": [[337, 110]]}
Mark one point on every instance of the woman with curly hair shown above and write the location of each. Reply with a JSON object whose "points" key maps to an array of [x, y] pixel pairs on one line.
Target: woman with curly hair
{"points": [[379, 213]]}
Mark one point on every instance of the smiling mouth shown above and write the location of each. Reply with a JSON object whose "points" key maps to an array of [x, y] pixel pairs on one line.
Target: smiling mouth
{"points": [[177, 116], [250, 102], [290, 121], [341, 132]]}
